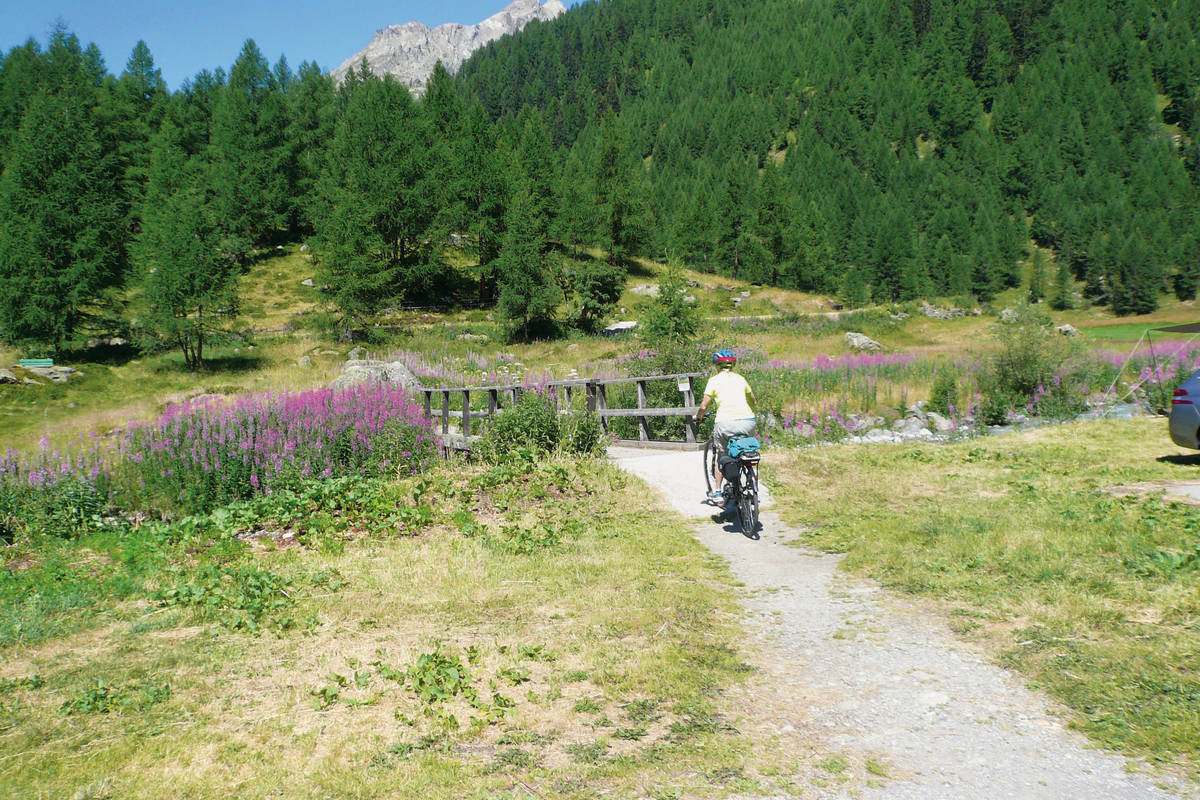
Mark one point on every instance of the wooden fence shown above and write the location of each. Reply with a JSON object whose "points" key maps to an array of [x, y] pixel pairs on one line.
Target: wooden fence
{"points": [[455, 403]]}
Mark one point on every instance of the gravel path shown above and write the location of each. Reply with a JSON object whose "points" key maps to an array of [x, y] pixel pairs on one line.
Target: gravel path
{"points": [[868, 675]]}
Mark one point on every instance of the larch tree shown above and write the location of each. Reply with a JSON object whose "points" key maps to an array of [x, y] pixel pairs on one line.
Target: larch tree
{"points": [[189, 283], [62, 240]]}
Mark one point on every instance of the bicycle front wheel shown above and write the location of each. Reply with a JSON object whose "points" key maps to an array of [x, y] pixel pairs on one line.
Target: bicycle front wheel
{"points": [[710, 462]]}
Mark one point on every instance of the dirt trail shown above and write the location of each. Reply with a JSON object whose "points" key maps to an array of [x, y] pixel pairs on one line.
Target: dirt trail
{"points": [[869, 675]]}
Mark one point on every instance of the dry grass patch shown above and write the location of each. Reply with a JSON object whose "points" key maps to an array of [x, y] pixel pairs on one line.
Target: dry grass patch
{"points": [[433, 665]]}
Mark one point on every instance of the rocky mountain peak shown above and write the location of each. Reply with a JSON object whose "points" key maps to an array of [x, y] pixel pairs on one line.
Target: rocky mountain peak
{"points": [[410, 51]]}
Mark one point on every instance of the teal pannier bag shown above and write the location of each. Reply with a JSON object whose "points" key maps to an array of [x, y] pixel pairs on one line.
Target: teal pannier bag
{"points": [[744, 445]]}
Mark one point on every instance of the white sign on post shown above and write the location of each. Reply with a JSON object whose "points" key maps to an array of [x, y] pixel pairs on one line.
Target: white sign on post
{"points": [[685, 385]]}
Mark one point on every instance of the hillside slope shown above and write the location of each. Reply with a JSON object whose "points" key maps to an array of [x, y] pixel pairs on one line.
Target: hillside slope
{"points": [[835, 146]]}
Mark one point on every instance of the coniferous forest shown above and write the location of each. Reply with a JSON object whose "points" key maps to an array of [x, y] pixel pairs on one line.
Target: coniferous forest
{"points": [[874, 151]]}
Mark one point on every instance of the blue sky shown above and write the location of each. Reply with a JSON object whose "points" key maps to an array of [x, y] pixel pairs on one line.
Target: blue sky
{"points": [[187, 37]]}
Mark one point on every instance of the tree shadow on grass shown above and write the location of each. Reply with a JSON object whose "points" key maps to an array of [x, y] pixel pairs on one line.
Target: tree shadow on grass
{"points": [[232, 364], [106, 354]]}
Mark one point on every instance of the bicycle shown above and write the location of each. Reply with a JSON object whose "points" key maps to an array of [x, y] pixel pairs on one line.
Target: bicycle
{"points": [[740, 471]]}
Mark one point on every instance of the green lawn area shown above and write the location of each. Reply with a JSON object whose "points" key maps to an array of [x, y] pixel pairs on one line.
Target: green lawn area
{"points": [[1026, 541], [534, 627]]}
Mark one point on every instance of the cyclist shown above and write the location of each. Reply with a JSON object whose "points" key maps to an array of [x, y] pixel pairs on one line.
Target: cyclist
{"points": [[735, 409]]}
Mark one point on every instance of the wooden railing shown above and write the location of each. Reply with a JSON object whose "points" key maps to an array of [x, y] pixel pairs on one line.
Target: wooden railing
{"points": [[563, 393]]}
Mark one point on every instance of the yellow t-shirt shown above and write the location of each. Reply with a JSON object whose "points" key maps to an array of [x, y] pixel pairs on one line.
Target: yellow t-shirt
{"points": [[732, 395]]}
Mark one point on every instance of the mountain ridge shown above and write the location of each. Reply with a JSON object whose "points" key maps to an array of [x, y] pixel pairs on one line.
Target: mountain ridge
{"points": [[410, 51]]}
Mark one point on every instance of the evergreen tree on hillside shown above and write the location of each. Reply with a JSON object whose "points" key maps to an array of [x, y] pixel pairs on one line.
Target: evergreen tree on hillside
{"points": [[250, 153], [61, 228], [374, 208], [443, 114], [137, 104], [312, 99], [189, 285], [484, 195], [618, 193], [1064, 289], [1135, 280], [575, 225], [21, 73], [529, 294]]}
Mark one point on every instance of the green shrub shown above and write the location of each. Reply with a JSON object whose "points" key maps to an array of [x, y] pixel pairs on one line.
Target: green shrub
{"points": [[580, 433], [1035, 371], [944, 396], [532, 424], [672, 317]]}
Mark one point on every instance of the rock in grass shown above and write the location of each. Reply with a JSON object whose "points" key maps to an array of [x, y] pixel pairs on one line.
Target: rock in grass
{"points": [[940, 424], [876, 436], [355, 373], [1067, 330], [909, 428], [304, 361], [7, 376], [57, 374], [859, 341]]}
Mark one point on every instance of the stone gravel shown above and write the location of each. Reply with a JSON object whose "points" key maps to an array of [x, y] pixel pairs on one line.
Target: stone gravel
{"points": [[876, 676]]}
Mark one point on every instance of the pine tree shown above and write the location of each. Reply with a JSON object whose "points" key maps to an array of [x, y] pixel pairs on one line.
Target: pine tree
{"points": [[139, 103], [1134, 279], [618, 199], [375, 208], [485, 192], [189, 286], [529, 294], [250, 152], [61, 228], [1037, 276], [311, 128], [1064, 288], [575, 222]]}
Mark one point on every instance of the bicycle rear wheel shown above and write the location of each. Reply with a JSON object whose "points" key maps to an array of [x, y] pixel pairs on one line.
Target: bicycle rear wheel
{"points": [[747, 505], [710, 460]]}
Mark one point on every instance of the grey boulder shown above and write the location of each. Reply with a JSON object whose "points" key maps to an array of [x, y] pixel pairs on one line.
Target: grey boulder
{"points": [[859, 341], [58, 374], [356, 373], [940, 424]]}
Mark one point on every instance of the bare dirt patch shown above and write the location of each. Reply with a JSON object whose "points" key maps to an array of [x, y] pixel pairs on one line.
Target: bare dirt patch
{"points": [[1162, 487]]}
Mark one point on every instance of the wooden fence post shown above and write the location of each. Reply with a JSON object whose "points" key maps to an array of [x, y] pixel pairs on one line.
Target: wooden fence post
{"points": [[445, 412], [493, 401], [602, 405], [428, 403], [643, 422], [466, 417], [689, 400]]}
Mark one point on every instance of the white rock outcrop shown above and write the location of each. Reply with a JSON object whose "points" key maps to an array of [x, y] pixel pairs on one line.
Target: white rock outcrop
{"points": [[409, 52]]}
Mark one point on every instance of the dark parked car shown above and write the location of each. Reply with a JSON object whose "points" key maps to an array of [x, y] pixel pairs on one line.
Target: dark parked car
{"points": [[1185, 414]]}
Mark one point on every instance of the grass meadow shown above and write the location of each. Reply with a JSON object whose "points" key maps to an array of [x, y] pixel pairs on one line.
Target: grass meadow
{"points": [[1055, 549], [540, 628], [534, 631]]}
